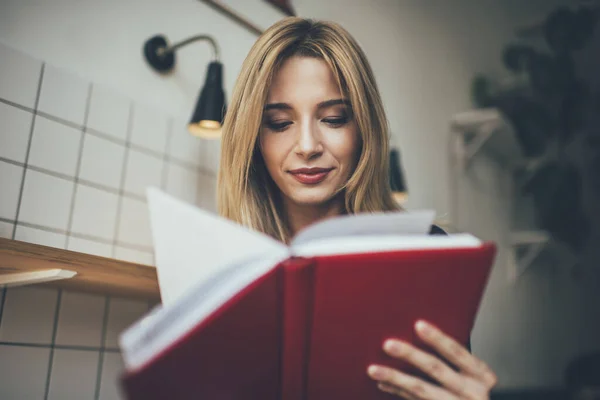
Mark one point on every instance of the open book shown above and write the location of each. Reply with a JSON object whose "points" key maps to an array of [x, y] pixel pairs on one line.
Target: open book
{"points": [[245, 316]]}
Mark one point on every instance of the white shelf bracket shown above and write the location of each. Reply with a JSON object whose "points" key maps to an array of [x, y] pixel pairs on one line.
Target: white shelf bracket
{"points": [[533, 242], [524, 262], [483, 135], [34, 277]]}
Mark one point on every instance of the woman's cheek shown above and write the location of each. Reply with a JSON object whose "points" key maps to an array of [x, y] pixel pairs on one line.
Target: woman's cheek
{"points": [[343, 144]]}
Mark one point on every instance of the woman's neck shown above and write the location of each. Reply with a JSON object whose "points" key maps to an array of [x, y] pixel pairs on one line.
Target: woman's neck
{"points": [[300, 216]]}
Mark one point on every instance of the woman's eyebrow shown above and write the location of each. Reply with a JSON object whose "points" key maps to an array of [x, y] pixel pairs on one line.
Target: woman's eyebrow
{"points": [[278, 106], [333, 102], [323, 104]]}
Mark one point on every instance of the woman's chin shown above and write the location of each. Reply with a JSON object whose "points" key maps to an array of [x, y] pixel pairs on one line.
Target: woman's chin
{"points": [[312, 199]]}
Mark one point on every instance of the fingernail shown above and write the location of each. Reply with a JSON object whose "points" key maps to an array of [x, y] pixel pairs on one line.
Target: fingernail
{"points": [[375, 372], [392, 346], [423, 327]]}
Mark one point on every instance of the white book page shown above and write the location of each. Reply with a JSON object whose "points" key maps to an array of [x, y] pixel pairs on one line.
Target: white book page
{"points": [[383, 243], [191, 244], [150, 336], [390, 223]]}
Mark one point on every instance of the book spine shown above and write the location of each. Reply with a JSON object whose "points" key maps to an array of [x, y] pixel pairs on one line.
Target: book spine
{"points": [[298, 298]]}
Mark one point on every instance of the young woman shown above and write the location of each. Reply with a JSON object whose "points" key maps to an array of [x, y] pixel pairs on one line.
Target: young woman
{"points": [[306, 138]]}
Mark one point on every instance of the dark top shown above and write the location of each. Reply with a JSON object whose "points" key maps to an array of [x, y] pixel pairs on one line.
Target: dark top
{"points": [[436, 230]]}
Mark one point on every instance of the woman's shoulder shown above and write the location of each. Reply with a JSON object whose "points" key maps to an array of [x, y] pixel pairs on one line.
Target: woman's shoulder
{"points": [[436, 230]]}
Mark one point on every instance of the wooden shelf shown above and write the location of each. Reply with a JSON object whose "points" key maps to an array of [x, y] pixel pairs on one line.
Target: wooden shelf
{"points": [[94, 274]]}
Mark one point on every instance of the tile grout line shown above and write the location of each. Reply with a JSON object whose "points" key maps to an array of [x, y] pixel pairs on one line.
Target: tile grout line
{"points": [[164, 181], [114, 244], [94, 132], [102, 344], [61, 347], [166, 158], [16, 105], [9, 161], [105, 136], [53, 343], [92, 238], [31, 128], [169, 158], [71, 179], [30, 139], [122, 182], [78, 165], [59, 120], [100, 186]]}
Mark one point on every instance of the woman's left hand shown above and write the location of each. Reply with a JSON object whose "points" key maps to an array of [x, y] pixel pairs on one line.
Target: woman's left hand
{"points": [[473, 380]]}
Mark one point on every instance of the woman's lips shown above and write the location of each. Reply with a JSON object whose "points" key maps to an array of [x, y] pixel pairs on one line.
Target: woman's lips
{"points": [[310, 176]]}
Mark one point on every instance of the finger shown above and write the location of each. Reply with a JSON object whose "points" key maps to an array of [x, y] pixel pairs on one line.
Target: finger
{"points": [[391, 389], [431, 365], [414, 387], [455, 353]]}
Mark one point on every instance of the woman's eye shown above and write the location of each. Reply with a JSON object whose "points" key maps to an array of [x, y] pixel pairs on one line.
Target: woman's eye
{"points": [[278, 126], [336, 121]]}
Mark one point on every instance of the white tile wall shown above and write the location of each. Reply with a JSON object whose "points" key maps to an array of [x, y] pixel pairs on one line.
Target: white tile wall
{"points": [[149, 129], [135, 256], [121, 314], [109, 112], [54, 146], [89, 247], [142, 170], [100, 202], [211, 154], [38, 236], [206, 197], [134, 224], [102, 161], [28, 315], [183, 146], [19, 76], [46, 200], [72, 375], [10, 182], [23, 372], [80, 319], [95, 212], [63, 95], [112, 368], [182, 182], [6, 230], [14, 134]]}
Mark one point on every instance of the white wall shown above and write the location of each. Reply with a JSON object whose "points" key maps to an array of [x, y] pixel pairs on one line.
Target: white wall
{"points": [[103, 42], [424, 55]]}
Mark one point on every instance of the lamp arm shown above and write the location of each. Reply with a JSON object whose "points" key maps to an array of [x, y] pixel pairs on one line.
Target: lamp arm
{"points": [[197, 38]]}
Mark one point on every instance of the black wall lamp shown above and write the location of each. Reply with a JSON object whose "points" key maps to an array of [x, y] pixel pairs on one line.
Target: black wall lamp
{"points": [[397, 181], [211, 106]]}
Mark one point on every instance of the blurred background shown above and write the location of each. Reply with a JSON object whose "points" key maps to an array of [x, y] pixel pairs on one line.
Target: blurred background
{"points": [[494, 108]]}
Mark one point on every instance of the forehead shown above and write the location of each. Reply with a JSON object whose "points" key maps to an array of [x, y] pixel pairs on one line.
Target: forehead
{"points": [[303, 79]]}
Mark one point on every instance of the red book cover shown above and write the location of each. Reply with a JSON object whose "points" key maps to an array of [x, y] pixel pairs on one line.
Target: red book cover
{"points": [[307, 325]]}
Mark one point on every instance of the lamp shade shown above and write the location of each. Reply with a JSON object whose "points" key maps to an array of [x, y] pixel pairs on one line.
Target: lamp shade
{"points": [[210, 108], [397, 181]]}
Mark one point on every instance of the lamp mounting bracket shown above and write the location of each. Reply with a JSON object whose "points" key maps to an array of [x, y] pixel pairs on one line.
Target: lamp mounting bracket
{"points": [[161, 56]]}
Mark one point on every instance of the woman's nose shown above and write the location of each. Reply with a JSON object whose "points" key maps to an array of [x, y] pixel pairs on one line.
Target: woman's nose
{"points": [[309, 140]]}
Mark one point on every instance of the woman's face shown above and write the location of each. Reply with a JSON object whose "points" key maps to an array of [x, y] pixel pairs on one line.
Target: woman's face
{"points": [[309, 139]]}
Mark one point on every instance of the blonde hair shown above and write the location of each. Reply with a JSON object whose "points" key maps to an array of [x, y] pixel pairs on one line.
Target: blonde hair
{"points": [[245, 190]]}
